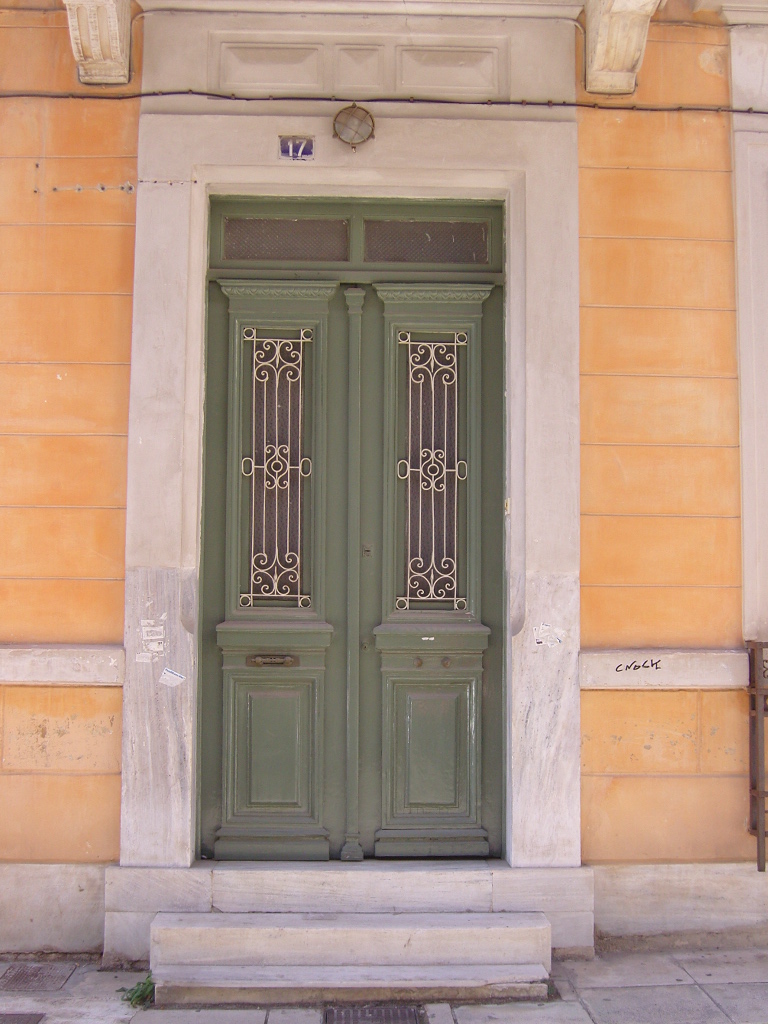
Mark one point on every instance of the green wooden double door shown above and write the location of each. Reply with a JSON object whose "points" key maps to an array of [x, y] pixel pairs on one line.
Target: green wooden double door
{"points": [[351, 641]]}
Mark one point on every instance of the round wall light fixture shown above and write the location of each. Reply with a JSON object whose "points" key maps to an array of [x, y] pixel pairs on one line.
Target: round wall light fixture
{"points": [[353, 125]]}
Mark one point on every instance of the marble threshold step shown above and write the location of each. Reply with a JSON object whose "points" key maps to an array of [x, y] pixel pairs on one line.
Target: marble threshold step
{"points": [[274, 986], [369, 886], [274, 958]]}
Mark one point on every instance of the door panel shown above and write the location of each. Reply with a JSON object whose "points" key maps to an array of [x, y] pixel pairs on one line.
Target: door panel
{"points": [[274, 638], [431, 570], [352, 612], [431, 739], [276, 721]]}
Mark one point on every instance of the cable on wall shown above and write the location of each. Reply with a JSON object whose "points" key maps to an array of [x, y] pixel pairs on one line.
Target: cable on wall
{"points": [[695, 108]]}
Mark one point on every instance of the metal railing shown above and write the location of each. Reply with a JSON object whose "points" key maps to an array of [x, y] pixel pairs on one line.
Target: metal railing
{"points": [[758, 712]]}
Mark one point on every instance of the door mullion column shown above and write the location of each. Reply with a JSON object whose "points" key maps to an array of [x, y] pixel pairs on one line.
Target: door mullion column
{"points": [[352, 850]]}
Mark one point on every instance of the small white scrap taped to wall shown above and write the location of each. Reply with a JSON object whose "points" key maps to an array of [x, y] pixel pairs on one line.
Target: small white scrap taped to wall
{"points": [[153, 639], [547, 635], [170, 678]]}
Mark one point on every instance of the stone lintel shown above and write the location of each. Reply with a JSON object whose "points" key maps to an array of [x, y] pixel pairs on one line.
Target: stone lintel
{"points": [[617, 31], [100, 33]]}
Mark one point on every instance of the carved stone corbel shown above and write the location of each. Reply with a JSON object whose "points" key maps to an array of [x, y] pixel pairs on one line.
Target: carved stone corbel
{"points": [[100, 32], [617, 31]]}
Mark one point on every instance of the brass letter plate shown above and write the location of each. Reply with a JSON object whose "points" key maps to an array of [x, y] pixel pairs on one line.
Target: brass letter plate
{"points": [[269, 660]]}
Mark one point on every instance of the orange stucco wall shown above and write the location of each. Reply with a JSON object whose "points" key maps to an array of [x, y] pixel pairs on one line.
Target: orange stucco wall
{"points": [[60, 776], [664, 775], [66, 272], [660, 560]]}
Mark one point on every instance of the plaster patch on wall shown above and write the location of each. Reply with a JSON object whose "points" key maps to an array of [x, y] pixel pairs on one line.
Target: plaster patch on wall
{"points": [[713, 61], [81, 741]]}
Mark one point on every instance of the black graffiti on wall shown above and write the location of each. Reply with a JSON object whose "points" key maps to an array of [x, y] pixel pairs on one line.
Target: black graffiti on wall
{"points": [[635, 666]]}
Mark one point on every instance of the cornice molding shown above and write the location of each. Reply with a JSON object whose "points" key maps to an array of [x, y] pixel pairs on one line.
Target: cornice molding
{"points": [[278, 289], [617, 31], [433, 293], [470, 8], [738, 12], [100, 33]]}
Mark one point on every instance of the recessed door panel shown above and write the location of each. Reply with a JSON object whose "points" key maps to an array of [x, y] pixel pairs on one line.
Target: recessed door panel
{"points": [[277, 722], [431, 725]]}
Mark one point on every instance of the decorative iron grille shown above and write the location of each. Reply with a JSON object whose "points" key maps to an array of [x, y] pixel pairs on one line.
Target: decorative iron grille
{"points": [[432, 471], [269, 238], [277, 468], [422, 241]]}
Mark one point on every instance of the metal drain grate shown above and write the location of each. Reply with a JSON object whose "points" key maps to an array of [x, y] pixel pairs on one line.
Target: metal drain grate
{"points": [[35, 977], [371, 1015], [21, 1018]]}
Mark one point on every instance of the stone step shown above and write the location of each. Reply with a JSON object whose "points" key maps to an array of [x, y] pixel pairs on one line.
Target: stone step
{"points": [[375, 887], [271, 986], [338, 940]]}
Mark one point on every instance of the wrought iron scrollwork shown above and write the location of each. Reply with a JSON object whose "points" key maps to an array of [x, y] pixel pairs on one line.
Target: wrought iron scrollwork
{"points": [[276, 468], [432, 470]]}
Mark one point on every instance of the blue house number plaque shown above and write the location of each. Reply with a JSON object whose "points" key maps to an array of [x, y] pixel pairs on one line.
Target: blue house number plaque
{"points": [[297, 147]]}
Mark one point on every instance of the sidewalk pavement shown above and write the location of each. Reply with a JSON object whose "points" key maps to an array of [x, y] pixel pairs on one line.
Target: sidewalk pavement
{"points": [[723, 987]]}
